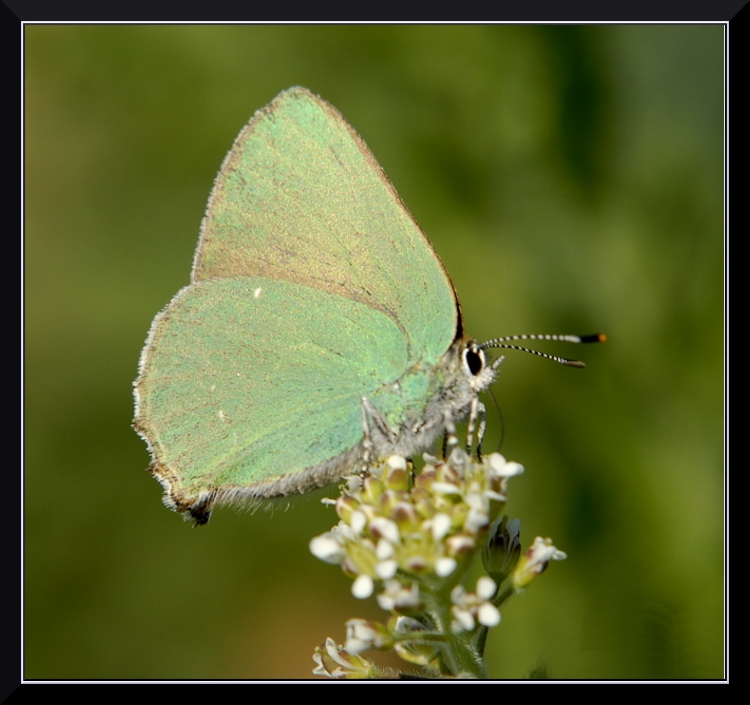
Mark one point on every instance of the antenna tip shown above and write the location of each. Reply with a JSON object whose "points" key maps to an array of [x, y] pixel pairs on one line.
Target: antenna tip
{"points": [[596, 338]]}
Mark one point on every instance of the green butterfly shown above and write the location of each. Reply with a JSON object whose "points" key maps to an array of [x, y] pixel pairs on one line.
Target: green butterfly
{"points": [[319, 330]]}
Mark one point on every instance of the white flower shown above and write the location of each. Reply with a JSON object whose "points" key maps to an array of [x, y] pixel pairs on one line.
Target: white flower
{"points": [[488, 615], [385, 528], [440, 525], [463, 620], [358, 521], [535, 561], [362, 634], [362, 587], [478, 516], [397, 596], [407, 625], [486, 588], [468, 608], [445, 566], [328, 548], [445, 488], [384, 550], [336, 662], [353, 484], [396, 462], [545, 552], [459, 544], [500, 467], [386, 569]]}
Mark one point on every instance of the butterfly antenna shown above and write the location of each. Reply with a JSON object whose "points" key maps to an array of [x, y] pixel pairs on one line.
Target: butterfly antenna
{"points": [[504, 342], [500, 416]]}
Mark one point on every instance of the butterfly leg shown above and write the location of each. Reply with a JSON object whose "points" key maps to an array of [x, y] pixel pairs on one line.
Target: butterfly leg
{"points": [[366, 440], [477, 411], [450, 440], [373, 423]]}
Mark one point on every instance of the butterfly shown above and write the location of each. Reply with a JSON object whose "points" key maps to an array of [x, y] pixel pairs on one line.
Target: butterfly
{"points": [[319, 330]]}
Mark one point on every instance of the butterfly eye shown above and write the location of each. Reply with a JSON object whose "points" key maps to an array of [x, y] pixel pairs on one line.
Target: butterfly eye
{"points": [[474, 359]]}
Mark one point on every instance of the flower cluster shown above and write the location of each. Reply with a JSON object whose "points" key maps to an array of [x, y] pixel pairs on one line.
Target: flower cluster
{"points": [[392, 523], [411, 539]]}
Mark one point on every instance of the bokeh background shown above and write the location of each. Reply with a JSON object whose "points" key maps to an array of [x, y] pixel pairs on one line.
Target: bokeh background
{"points": [[571, 179]]}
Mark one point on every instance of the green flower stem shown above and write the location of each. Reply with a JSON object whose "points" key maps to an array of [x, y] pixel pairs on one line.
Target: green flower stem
{"points": [[458, 655], [461, 658], [506, 590]]}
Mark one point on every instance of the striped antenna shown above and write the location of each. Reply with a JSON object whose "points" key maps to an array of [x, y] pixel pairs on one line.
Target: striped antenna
{"points": [[504, 343]]}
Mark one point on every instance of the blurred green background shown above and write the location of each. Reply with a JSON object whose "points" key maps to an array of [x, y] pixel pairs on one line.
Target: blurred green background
{"points": [[571, 179]]}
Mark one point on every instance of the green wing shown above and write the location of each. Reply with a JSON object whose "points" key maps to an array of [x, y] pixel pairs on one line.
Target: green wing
{"points": [[246, 381], [312, 287], [300, 198]]}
